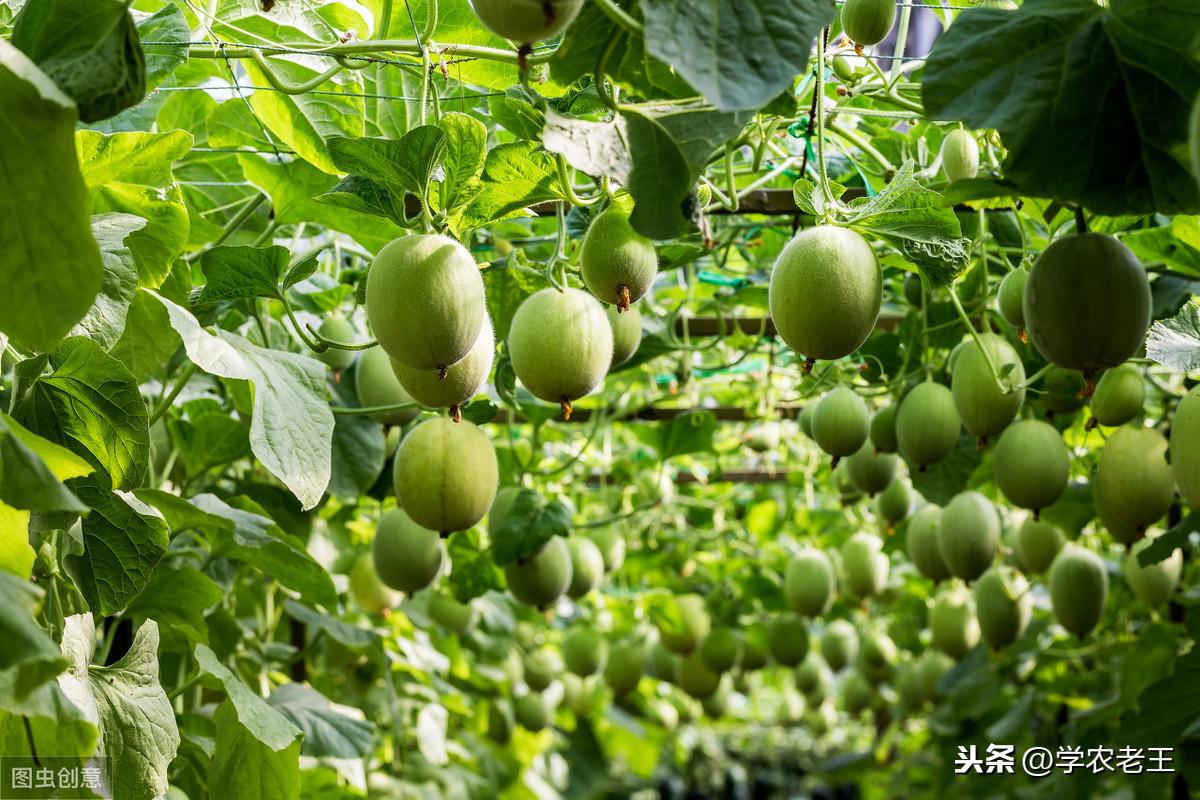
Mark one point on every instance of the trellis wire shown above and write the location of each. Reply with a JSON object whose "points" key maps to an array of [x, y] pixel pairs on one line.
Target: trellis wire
{"points": [[239, 86]]}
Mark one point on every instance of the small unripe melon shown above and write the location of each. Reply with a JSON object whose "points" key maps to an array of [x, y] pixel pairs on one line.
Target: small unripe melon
{"points": [[811, 673], [923, 546], [755, 651], [1011, 540], [376, 385], [847, 491], [425, 301], [1185, 447], [526, 21], [969, 534], [894, 502], [1119, 397], [1032, 464], [960, 155], [1134, 483], [927, 424], [338, 329], [532, 711], [446, 474], [864, 564], [1153, 584], [870, 471], [1062, 388], [584, 650], [985, 406], [787, 639], [883, 429], [541, 668], [855, 694], [462, 380], [371, 594], [1004, 606], [933, 665], [1078, 583], [611, 542], [809, 582], [623, 672], [841, 422], [805, 419], [1010, 297], [868, 22], [561, 344], [839, 644], [1087, 302], [876, 656], [910, 686], [587, 566], [407, 556], [617, 263], [695, 678], [685, 624], [541, 579], [721, 650], [825, 292], [1040, 543], [627, 334], [446, 611], [914, 290], [662, 663], [953, 622]]}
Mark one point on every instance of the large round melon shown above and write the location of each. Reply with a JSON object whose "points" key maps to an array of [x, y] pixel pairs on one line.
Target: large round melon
{"points": [[868, 22], [809, 584], [870, 471], [1078, 583], [407, 556], [841, 422], [462, 380], [1154, 583], [446, 474], [1032, 464], [927, 424], [627, 333], [561, 344], [969, 534], [617, 263], [923, 547], [1185, 448], [376, 385], [864, 564], [1134, 484], [543, 578], [1004, 606], [984, 405], [953, 622]]}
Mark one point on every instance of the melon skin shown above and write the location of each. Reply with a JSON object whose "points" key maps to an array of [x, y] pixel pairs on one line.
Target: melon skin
{"points": [[809, 583], [983, 405], [825, 292], [446, 611], [953, 622], [927, 424], [910, 686], [425, 301], [841, 422], [1120, 396], [587, 566], [883, 429], [1062, 388], [462, 380], [337, 329], [876, 655], [969, 534], [922, 544], [541, 667], [813, 678], [561, 344], [532, 711], [627, 334], [543, 578], [960, 155], [855, 694], [868, 22], [1010, 297], [1087, 302], [721, 650], [662, 664], [870, 471], [1155, 583], [1185, 448], [932, 666], [446, 474], [1134, 484], [371, 594], [787, 639], [865, 565], [1004, 606], [695, 678], [1040, 542], [1031, 464], [376, 385], [1078, 584], [914, 290], [617, 263], [584, 651], [624, 669], [893, 503], [612, 547], [407, 556], [755, 651], [839, 644], [694, 624], [526, 21]]}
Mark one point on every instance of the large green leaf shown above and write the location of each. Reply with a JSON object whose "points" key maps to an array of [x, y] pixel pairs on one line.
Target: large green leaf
{"points": [[515, 176], [242, 766], [359, 449], [242, 273], [528, 526], [178, 597], [330, 730], [42, 182], [1175, 342], [29, 657], [260, 719], [404, 164], [148, 340], [208, 440], [1091, 102], [165, 25], [105, 320]]}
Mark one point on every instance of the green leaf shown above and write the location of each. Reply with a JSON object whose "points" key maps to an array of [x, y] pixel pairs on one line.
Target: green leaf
{"points": [[365, 196], [90, 48], [165, 25], [1176, 244], [123, 541], [42, 182], [404, 164], [529, 525], [513, 111], [292, 427], [474, 573], [462, 164], [352, 636], [973, 190], [1175, 342], [178, 597], [330, 730], [240, 273], [515, 176], [32, 470], [359, 449], [938, 483], [740, 55], [211, 439], [689, 432], [91, 405], [594, 148], [1118, 146], [29, 657], [148, 340], [44, 722], [1163, 546], [138, 735], [105, 320], [243, 766], [1167, 710], [262, 721]]}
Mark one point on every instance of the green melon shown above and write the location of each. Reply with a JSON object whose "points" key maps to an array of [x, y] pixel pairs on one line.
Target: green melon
{"points": [[425, 301], [985, 406], [532, 711], [960, 155], [870, 471], [695, 678], [462, 380], [541, 668], [1134, 483], [337, 329], [914, 290], [371, 594], [825, 292], [1004, 605], [1155, 583], [809, 584], [526, 21], [876, 656], [1119, 397], [821, 719], [1040, 542], [1078, 583], [561, 344], [933, 665], [1010, 297], [541, 579], [584, 650], [721, 650], [627, 334], [847, 491], [811, 676], [716, 704], [764, 438], [841, 422], [1031, 464], [953, 623], [855, 694], [587, 566], [1120, 531], [755, 650], [805, 419], [1087, 302], [617, 263], [684, 624], [927, 424], [787, 639], [446, 474], [883, 429], [1061, 391], [868, 22], [446, 611], [623, 672], [923, 546], [894, 502], [611, 542], [864, 565], [376, 385], [1185, 447], [839, 644], [910, 686], [407, 556], [969, 535]]}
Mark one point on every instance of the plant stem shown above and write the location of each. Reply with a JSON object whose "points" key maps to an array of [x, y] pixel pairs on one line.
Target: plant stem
{"points": [[602, 88], [819, 107], [365, 47], [287, 87], [1005, 386], [621, 17], [347, 411], [165, 405]]}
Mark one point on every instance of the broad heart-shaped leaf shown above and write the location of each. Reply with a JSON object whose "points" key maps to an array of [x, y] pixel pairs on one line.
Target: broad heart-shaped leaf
{"points": [[330, 730], [689, 432], [359, 448], [740, 54], [123, 541], [42, 182], [404, 164], [210, 439], [466, 151], [265, 723], [594, 148], [292, 428], [1092, 103], [240, 273], [178, 597], [105, 320], [242, 766], [473, 572], [45, 722], [1175, 342], [138, 735], [148, 340], [1176, 244], [29, 657], [528, 526], [91, 404], [357, 193], [515, 176], [90, 48], [165, 25]]}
